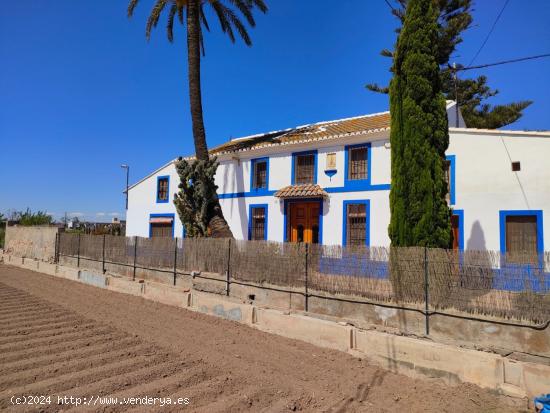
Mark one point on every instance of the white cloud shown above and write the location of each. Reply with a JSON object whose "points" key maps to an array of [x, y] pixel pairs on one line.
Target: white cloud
{"points": [[114, 214], [76, 214], [101, 214]]}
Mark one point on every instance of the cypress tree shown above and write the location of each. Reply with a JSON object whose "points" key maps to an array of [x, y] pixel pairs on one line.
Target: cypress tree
{"points": [[419, 134]]}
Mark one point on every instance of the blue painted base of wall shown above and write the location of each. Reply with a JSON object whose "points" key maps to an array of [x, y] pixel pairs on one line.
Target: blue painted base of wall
{"points": [[516, 278]]}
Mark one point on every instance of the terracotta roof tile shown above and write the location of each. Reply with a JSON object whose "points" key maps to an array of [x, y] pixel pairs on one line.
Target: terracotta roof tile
{"points": [[301, 191], [318, 131]]}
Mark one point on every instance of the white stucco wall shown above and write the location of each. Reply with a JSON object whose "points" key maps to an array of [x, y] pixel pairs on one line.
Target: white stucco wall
{"points": [[142, 202], [484, 185]]}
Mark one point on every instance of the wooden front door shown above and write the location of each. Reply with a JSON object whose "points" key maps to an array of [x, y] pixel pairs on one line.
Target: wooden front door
{"points": [[304, 222]]}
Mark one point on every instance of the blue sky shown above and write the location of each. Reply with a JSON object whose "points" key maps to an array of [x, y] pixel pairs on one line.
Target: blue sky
{"points": [[82, 91]]}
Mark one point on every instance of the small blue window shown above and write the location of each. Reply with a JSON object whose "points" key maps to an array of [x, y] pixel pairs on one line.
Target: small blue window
{"points": [[257, 222], [304, 168], [259, 174], [356, 231], [163, 189]]}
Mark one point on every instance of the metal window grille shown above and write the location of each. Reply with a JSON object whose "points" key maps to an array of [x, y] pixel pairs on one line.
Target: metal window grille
{"points": [[260, 175], [304, 169], [521, 238], [163, 189], [258, 223], [356, 224], [447, 171], [358, 163]]}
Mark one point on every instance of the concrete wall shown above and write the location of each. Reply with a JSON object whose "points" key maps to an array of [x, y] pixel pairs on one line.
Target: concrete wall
{"points": [[32, 242]]}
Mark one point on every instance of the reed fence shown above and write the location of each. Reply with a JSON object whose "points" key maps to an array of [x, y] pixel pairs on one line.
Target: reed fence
{"points": [[430, 280]]}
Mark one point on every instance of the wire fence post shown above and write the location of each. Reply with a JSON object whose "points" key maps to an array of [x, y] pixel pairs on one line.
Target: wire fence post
{"points": [[306, 304], [135, 257], [103, 256], [227, 271], [56, 248], [175, 259], [426, 290], [78, 253]]}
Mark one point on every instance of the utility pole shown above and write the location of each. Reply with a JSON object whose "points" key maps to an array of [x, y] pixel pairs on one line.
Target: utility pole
{"points": [[127, 167], [455, 76]]}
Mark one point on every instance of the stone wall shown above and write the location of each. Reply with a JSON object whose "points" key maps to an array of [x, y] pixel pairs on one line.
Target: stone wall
{"points": [[31, 242]]}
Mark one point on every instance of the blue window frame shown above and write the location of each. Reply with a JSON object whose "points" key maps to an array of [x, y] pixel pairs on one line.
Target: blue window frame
{"points": [[536, 213], [257, 222], [161, 216], [295, 156], [259, 184], [452, 171], [163, 189], [346, 204], [357, 184]]}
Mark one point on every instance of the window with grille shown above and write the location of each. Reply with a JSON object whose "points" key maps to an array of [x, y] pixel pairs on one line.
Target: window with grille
{"points": [[447, 172], [304, 169], [521, 237], [357, 162], [260, 175], [258, 224], [162, 189], [356, 225], [161, 230]]}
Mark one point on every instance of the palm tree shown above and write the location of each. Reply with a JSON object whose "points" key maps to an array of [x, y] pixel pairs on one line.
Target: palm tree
{"points": [[195, 17]]}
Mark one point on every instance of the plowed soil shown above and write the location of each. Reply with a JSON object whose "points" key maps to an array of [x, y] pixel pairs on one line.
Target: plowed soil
{"points": [[59, 337]]}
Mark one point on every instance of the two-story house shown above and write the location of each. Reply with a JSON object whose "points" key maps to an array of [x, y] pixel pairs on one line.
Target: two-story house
{"points": [[329, 183]]}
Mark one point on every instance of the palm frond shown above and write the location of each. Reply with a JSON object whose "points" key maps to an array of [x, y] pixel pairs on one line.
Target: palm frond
{"points": [[154, 17], [234, 19], [244, 7], [219, 9], [170, 23], [203, 17], [180, 14], [260, 4], [131, 7], [201, 42], [228, 20]]}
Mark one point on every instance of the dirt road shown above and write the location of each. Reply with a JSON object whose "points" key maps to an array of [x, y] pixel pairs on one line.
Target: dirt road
{"points": [[62, 338]]}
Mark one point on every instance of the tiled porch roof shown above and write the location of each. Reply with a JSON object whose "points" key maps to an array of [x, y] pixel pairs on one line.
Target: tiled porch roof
{"points": [[309, 133], [301, 191]]}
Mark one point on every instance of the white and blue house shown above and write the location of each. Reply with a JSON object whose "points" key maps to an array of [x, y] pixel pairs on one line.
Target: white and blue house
{"points": [[329, 183]]}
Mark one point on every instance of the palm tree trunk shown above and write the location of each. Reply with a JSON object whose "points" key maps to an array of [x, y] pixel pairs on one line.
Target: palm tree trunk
{"points": [[218, 225], [194, 66]]}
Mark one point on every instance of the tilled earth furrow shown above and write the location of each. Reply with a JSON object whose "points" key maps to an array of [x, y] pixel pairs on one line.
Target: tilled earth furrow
{"points": [[172, 375], [52, 332], [37, 360], [67, 321], [8, 308], [35, 315], [85, 341], [38, 322], [39, 342], [64, 382], [72, 364], [104, 387]]}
